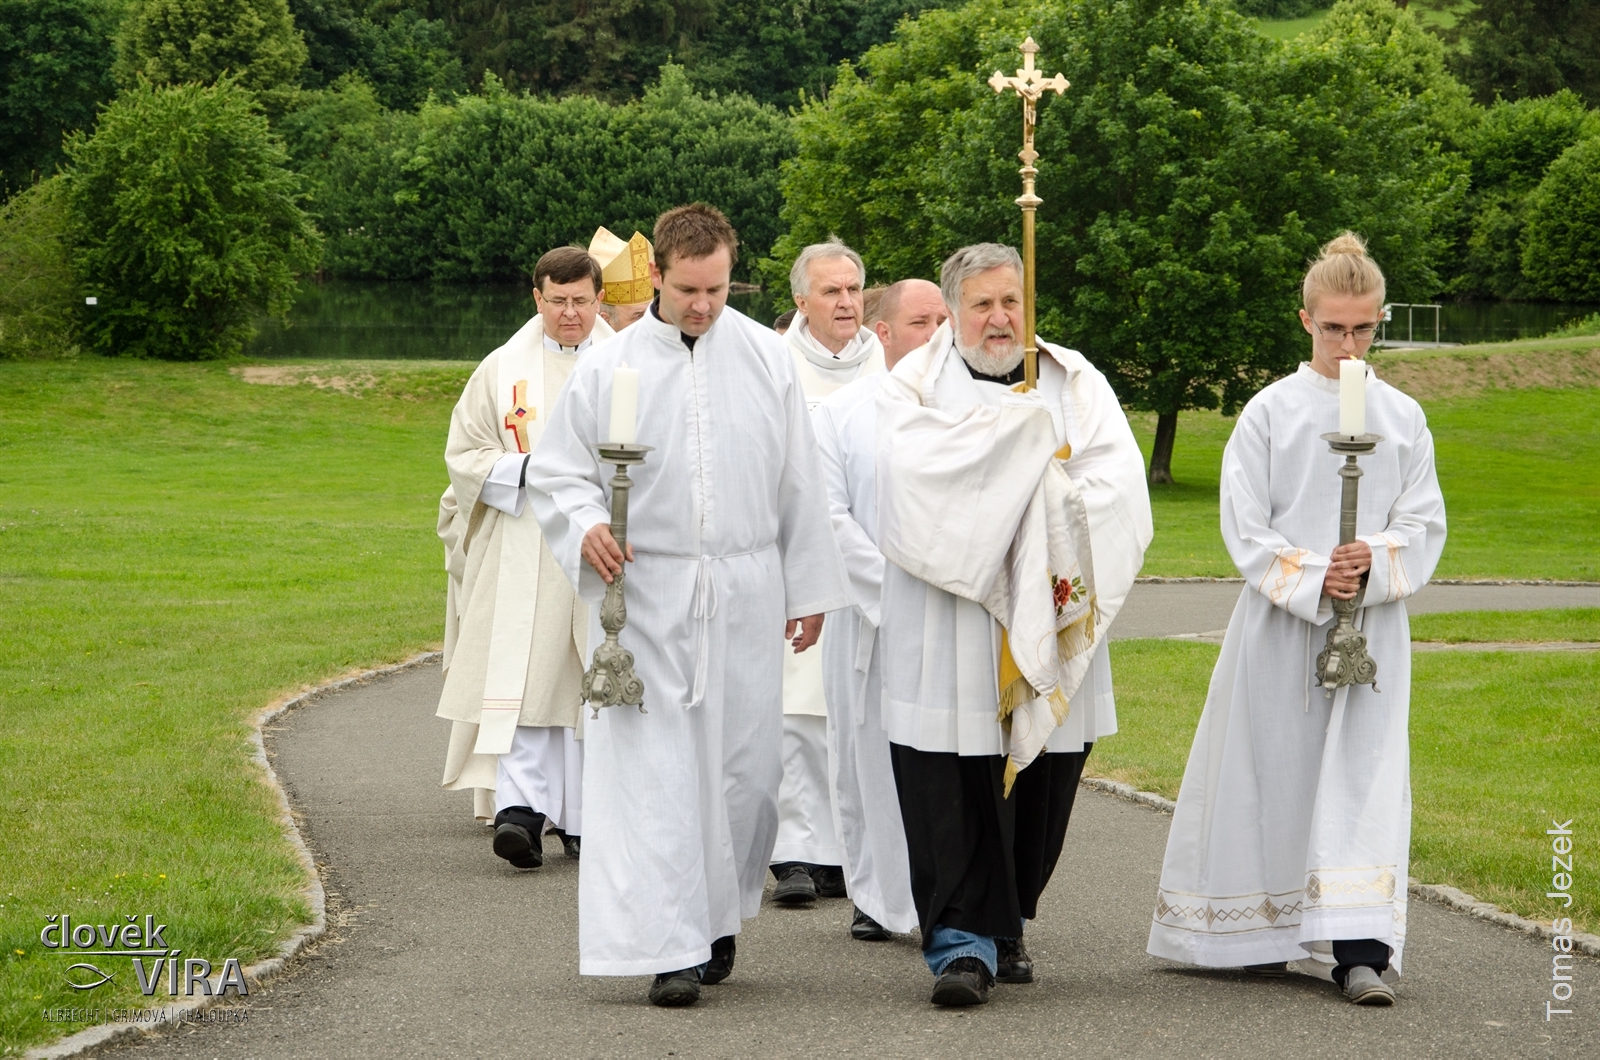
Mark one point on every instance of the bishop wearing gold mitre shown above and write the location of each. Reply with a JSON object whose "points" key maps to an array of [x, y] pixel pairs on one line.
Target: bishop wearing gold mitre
{"points": [[625, 271], [515, 631]]}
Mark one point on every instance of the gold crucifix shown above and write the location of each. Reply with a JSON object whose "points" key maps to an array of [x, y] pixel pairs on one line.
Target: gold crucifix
{"points": [[1030, 84], [520, 415]]}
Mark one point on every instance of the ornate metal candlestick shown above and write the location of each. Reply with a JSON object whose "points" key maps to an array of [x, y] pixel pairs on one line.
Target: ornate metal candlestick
{"points": [[1344, 661], [611, 682]]}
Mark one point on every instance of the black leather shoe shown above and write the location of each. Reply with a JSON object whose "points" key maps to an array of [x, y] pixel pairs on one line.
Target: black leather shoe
{"points": [[720, 966], [1012, 963], [829, 880], [795, 886], [675, 989], [1276, 970], [965, 981], [518, 846], [569, 843], [866, 929]]}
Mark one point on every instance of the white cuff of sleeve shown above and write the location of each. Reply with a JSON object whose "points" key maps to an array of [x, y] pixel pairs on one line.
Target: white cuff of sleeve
{"points": [[503, 488]]}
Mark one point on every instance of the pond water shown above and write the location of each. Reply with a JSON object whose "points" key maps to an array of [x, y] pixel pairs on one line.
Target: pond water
{"points": [[344, 319], [359, 320]]}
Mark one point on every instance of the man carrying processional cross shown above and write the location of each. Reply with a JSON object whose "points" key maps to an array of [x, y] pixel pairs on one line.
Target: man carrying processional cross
{"points": [[515, 632], [1014, 523]]}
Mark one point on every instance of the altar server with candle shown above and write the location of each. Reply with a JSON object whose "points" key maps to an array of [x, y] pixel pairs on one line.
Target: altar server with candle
{"points": [[729, 541], [514, 630], [1293, 823]]}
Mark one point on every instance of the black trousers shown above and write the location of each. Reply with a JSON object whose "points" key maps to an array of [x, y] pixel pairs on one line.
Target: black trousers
{"points": [[1349, 953], [979, 860]]}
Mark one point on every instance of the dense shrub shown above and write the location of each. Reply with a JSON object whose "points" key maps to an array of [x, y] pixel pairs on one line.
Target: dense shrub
{"points": [[1515, 49], [1509, 151], [185, 221], [55, 67], [36, 282], [1561, 245], [478, 189], [177, 41], [1187, 175]]}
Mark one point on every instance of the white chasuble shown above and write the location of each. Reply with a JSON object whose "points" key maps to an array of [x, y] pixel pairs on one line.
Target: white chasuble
{"points": [[728, 521], [1015, 524], [876, 865], [511, 656], [1293, 823]]}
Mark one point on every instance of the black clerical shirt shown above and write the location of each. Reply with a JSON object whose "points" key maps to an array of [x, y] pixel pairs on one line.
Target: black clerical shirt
{"points": [[655, 311]]}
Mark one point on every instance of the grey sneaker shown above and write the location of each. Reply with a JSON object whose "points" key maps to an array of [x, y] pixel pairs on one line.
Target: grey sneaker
{"points": [[1363, 987]]}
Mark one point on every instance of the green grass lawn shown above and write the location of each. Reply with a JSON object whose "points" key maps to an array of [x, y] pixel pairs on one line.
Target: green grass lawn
{"points": [[176, 549], [1500, 743], [1517, 466], [1468, 627]]}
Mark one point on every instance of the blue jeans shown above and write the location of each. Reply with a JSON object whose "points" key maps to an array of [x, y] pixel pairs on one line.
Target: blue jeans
{"points": [[950, 943]]}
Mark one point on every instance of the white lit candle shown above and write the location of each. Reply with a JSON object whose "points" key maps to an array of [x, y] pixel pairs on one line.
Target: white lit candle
{"points": [[1352, 397], [624, 405]]}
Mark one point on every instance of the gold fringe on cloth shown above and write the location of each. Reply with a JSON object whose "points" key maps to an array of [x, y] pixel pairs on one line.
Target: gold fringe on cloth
{"points": [[1071, 640]]}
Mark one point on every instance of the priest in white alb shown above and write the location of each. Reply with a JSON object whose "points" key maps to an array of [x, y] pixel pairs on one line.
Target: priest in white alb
{"points": [[1014, 524], [1291, 836], [830, 348], [877, 872], [730, 543], [515, 631]]}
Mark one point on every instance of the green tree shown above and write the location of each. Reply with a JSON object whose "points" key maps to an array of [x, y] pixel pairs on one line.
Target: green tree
{"points": [[1509, 151], [178, 41], [36, 280], [1187, 175], [1561, 244], [55, 68], [185, 220], [478, 189], [403, 55], [1520, 48]]}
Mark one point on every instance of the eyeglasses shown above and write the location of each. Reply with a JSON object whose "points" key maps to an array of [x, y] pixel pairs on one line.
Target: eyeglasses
{"points": [[1361, 333], [561, 305]]}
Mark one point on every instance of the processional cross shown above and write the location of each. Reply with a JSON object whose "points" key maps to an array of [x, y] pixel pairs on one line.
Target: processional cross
{"points": [[1030, 84], [521, 414]]}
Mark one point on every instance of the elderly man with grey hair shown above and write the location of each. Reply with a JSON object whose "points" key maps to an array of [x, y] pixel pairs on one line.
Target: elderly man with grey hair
{"points": [[830, 348], [1013, 524]]}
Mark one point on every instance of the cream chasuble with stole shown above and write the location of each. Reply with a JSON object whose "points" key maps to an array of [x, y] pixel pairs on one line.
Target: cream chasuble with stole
{"points": [[808, 825], [1015, 524], [877, 870], [1293, 824], [728, 521], [515, 631]]}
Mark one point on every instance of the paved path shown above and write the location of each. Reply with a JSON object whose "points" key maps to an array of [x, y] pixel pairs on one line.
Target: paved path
{"points": [[442, 950], [1166, 609]]}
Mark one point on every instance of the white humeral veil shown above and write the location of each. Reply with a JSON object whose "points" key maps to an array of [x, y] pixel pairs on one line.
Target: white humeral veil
{"points": [[1293, 823]]}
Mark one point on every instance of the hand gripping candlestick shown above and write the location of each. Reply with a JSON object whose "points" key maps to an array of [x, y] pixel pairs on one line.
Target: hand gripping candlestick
{"points": [[611, 682], [1344, 661]]}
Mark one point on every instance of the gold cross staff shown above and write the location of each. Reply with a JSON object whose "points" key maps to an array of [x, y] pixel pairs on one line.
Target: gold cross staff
{"points": [[1030, 84]]}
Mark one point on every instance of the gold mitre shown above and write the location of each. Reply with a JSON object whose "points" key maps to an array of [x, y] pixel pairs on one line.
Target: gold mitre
{"points": [[624, 267]]}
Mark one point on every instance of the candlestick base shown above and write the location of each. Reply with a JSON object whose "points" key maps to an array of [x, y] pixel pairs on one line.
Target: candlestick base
{"points": [[610, 681]]}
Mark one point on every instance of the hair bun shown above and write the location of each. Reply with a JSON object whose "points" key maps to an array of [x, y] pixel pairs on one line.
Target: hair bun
{"points": [[1345, 243]]}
